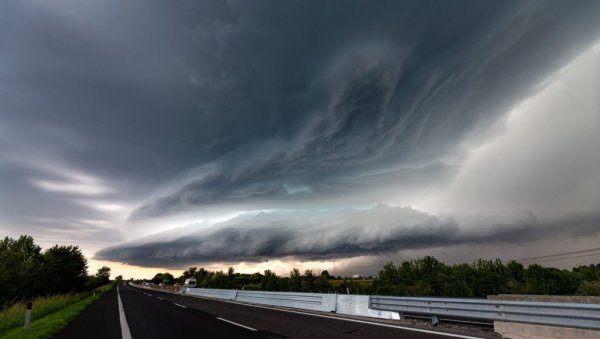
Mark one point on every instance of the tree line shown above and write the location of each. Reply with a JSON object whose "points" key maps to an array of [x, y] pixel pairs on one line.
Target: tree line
{"points": [[27, 272], [430, 277], [421, 277], [266, 281]]}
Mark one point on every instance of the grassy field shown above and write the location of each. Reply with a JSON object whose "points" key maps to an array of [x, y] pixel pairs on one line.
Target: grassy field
{"points": [[49, 314]]}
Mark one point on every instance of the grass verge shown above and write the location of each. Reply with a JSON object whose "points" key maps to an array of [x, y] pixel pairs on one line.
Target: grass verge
{"points": [[49, 314]]}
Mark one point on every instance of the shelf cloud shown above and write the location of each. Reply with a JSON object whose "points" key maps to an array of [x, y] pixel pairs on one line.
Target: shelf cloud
{"points": [[346, 233]]}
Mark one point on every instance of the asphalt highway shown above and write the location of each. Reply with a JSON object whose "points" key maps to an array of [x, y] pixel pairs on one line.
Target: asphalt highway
{"points": [[153, 314]]}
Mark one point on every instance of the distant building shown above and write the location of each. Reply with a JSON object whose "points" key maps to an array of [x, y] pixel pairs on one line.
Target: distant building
{"points": [[357, 276]]}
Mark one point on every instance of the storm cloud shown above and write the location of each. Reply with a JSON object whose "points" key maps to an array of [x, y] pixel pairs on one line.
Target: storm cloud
{"points": [[124, 119], [394, 109], [326, 235]]}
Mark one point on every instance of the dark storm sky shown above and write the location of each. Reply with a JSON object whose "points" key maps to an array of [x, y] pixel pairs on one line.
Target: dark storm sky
{"points": [[119, 119]]}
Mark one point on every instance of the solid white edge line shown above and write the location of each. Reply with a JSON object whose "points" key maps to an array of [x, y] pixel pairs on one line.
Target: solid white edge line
{"points": [[368, 322], [339, 318], [347, 319], [125, 333], [176, 304], [236, 324]]}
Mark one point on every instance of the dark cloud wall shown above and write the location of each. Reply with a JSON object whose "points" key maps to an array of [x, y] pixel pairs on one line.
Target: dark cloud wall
{"points": [[334, 234]]}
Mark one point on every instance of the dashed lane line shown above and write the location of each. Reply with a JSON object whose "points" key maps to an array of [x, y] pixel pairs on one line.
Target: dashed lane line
{"points": [[237, 324]]}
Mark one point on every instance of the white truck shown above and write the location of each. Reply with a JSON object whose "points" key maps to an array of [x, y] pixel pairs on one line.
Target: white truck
{"points": [[190, 282]]}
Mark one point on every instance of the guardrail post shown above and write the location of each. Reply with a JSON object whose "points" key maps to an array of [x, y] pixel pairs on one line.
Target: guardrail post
{"points": [[28, 315], [401, 316], [335, 303], [435, 320]]}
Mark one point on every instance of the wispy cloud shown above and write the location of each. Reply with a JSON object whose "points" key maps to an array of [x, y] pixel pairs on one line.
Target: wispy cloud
{"points": [[70, 187]]}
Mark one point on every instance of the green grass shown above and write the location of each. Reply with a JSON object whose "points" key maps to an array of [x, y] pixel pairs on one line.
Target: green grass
{"points": [[49, 314]]}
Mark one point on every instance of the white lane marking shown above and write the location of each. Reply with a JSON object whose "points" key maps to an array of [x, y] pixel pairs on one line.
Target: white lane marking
{"points": [[336, 318], [348, 319], [176, 304], [159, 298], [236, 324], [125, 333]]}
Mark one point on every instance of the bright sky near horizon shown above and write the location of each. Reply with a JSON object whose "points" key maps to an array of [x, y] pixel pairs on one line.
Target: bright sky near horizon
{"points": [[337, 135]]}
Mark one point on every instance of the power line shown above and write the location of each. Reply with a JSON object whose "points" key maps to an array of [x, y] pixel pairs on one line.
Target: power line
{"points": [[559, 254], [565, 258]]}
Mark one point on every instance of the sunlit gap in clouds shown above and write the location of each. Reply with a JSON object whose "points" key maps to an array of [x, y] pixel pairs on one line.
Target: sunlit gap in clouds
{"points": [[545, 152]]}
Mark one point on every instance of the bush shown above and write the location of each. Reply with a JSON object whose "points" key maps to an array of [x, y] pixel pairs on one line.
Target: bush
{"points": [[589, 288]]}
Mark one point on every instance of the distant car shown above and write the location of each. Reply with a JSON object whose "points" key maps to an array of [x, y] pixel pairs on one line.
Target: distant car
{"points": [[161, 284], [190, 282]]}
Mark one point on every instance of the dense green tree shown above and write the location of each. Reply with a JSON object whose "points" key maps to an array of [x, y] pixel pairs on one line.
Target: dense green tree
{"points": [[65, 269], [200, 276], [308, 281], [157, 279], [20, 269], [231, 278], [322, 283], [283, 284], [420, 288], [102, 277], [168, 278], [218, 280], [269, 281], [295, 284], [27, 272], [389, 281], [165, 278], [104, 274], [587, 273], [189, 273]]}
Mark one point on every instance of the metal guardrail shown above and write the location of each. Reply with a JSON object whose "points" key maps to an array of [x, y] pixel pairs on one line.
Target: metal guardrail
{"points": [[544, 313], [310, 301], [575, 315], [212, 293]]}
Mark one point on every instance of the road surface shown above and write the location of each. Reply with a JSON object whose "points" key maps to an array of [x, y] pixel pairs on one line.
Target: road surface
{"points": [[152, 314]]}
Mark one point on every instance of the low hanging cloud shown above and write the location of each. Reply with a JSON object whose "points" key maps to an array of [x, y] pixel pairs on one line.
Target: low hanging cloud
{"points": [[331, 234]]}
